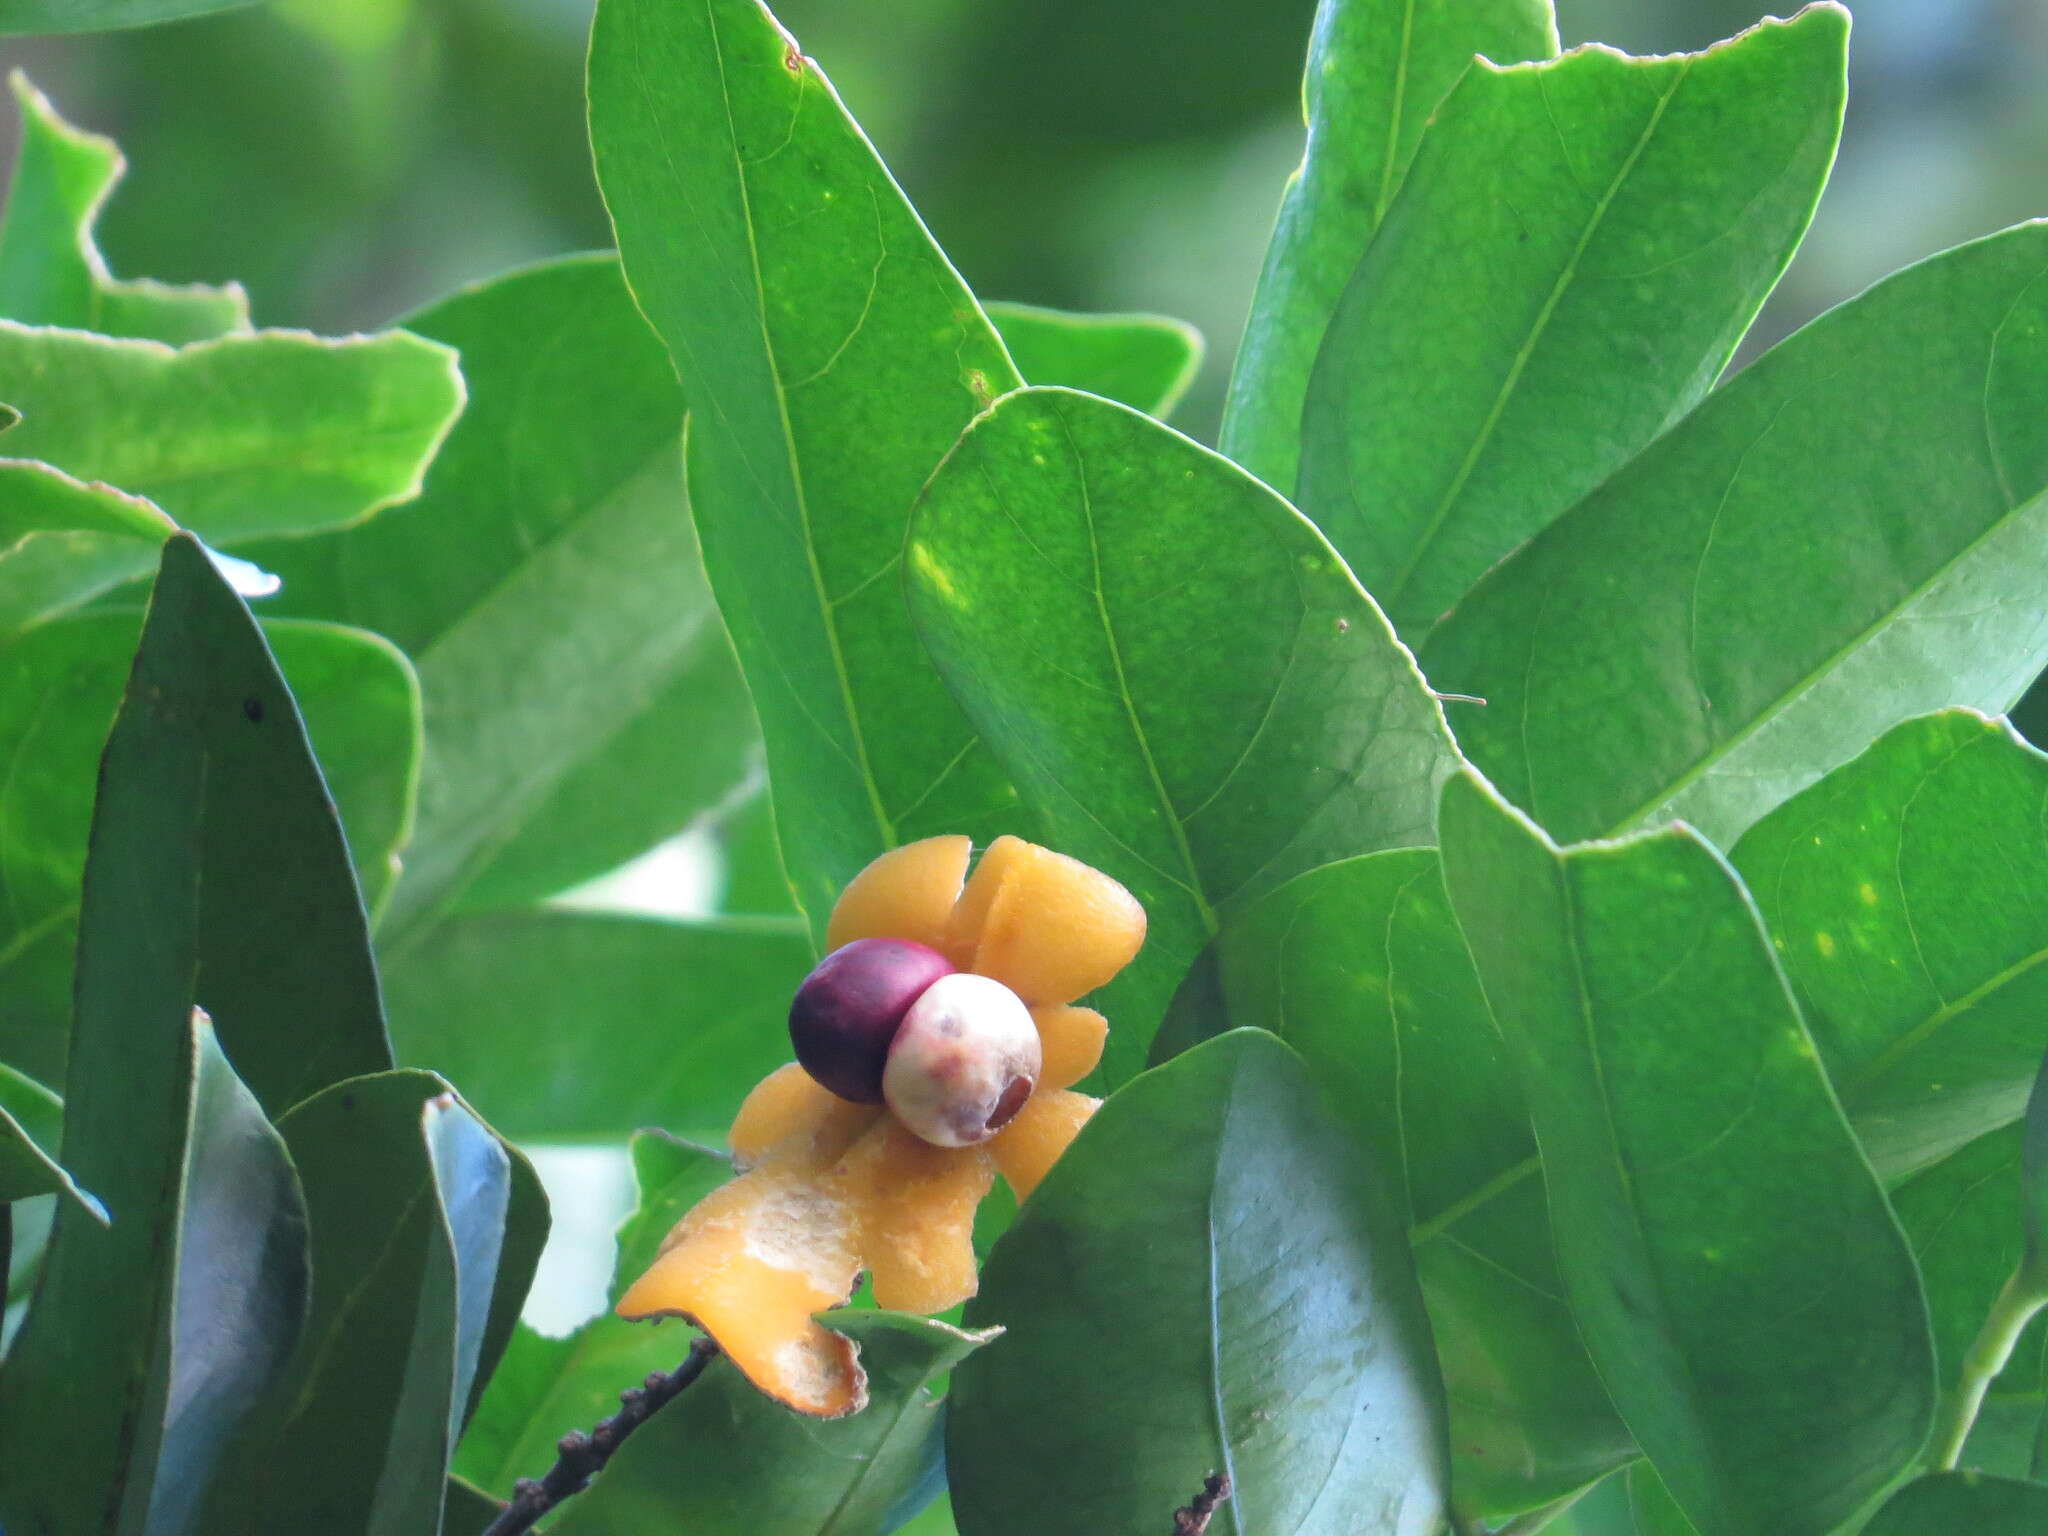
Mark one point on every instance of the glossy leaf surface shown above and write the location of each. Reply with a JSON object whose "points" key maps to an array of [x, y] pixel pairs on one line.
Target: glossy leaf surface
{"points": [[51, 270], [1360, 967], [1144, 361], [1915, 949], [581, 701], [214, 1248], [1708, 1199], [1570, 262], [1184, 682], [830, 357], [583, 1026], [1842, 537], [1166, 1316], [408, 1197], [1377, 69], [239, 1298], [1948, 1503]]}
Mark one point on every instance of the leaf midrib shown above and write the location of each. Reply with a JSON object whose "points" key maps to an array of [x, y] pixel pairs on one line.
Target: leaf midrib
{"points": [[827, 614], [1789, 698], [1484, 437]]}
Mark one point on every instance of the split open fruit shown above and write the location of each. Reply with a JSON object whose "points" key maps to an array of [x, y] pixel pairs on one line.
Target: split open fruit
{"points": [[942, 1044]]}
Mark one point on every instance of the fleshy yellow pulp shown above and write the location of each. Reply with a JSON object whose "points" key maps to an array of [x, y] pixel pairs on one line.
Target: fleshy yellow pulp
{"points": [[827, 1189]]}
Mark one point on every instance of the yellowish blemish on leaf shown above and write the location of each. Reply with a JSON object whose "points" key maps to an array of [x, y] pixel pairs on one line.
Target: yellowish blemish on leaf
{"points": [[1825, 943], [929, 568], [1868, 892]]}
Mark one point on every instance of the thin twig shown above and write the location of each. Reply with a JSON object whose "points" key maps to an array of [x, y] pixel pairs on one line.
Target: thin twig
{"points": [[1194, 1520], [580, 1457]]}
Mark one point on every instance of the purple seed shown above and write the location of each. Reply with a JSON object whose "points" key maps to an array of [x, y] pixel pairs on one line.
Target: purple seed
{"points": [[847, 1011]]}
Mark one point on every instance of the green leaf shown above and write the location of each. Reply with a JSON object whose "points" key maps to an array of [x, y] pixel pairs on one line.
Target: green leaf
{"points": [[61, 538], [1360, 967], [723, 1457], [581, 1026], [1377, 70], [1843, 536], [208, 1224], [1963, 1218], [31, 1123], [830, 357], [546, 1387], [1708, 1199], [1651, 1506], [185, 897], [282, 945], [51, 270], [321, 433], [408, 1196], [1208, 1280], [362, 704], [1184, 682], [1952, 1502], [1145, 361], [1907, 893], [243, 1260], [582, 702], [1573, 257], [100, 15]]}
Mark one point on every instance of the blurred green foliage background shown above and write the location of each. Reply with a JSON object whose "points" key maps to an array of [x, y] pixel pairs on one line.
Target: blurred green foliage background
{"points": [[350, 159]]}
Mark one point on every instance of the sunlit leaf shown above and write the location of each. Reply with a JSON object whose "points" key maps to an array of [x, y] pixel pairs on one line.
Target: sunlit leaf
{"points": [[1377, 70], [1570, 262], [1186, 685], [51, 270], [1360, 967], [1708, 1200], [1145, 361], [830, 357], [1907, 893], [253, 433], [1845, 535]]}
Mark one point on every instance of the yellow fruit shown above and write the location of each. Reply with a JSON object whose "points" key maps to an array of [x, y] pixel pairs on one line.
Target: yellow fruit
{"points": [[917, 1205], [1043, 1129], [1070, 1040], [907, 893], [749, 1265], [1048, 927], [789, 1115]]}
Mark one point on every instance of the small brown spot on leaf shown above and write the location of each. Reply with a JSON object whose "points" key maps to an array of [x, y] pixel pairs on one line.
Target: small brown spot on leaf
{"points": [[1343, 626], [793, 58], [252, 707]]}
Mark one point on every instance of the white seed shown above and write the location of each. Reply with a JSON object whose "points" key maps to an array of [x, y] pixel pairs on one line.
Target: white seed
{"points": [[963, 1061]]}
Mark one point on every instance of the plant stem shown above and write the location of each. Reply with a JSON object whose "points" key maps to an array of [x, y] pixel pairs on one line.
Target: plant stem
{"points": [[581, 1457], [2017, 1302]]}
